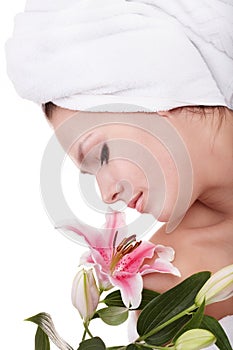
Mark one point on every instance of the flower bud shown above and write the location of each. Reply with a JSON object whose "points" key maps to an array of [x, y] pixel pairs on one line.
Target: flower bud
{"points": [[195, 339], [217, 288], [85, 294]]}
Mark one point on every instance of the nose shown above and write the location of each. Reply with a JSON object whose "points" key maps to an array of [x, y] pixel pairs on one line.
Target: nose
{"points": [[110, 189], [110, 197], [110, 194]]}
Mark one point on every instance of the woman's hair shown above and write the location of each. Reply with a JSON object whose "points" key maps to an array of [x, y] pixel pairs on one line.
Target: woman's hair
{"points": [[203, 111], [48, 109]]}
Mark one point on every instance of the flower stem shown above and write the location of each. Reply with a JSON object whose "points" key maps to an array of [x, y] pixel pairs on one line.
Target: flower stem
{"points": [[84, 335], [87, 329], [156, 347], [163, 325], [117, 347]]}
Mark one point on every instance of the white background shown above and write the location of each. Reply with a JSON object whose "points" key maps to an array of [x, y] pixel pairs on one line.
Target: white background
{"points": [[37, 262]]}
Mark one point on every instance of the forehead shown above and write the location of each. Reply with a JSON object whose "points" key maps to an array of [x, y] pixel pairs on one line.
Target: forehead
{"points": [[74, 127], [61, 115]]}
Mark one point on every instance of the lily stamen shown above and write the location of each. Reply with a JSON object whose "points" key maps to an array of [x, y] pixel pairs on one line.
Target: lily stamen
{"points": [[125, 247], [126, 242], [114, 243], [131, 248]]}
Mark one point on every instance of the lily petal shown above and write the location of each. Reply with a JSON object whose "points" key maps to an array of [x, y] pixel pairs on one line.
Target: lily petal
{"points": [[160, 265], [102, 237], [131, 262], [103, 278], [102, 257], [89, 235], [114, 221], [86, 258], [166, 253], [130, 286]]}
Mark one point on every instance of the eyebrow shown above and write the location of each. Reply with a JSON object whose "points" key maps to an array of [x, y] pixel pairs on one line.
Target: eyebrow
{"points": [[81, 155]]}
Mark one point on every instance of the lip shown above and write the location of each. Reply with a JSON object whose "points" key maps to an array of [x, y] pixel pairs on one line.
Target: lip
{"points": [[135, 202]]}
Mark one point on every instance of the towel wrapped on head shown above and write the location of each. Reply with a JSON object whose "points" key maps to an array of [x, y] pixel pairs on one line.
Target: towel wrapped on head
{"points": [[151, 53]]}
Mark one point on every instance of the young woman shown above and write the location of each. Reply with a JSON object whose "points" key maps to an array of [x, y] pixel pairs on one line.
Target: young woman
{"points": [[203, 240], [169, 62]]}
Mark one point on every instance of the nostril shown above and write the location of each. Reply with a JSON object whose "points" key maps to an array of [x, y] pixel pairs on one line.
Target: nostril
{"points": [[114, 196], [109, 199]]}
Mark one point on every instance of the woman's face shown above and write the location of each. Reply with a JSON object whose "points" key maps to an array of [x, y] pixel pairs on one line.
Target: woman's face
{"points": [[129, 163]]}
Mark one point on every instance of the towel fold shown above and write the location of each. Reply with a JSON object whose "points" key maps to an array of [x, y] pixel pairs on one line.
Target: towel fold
{"points": [[154, 54]]}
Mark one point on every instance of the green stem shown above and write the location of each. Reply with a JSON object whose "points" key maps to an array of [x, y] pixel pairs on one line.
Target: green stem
{"points": [[87, 329], [157, 347], [84, 335], [117, 347], [163, 325]]}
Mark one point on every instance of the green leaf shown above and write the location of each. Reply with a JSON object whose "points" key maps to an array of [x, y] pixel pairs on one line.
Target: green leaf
{"points": [[215, 327], [170, 303], [113, 315], [92, 344], [147, 296], [41, 340], [122, 347], [95, 315], [114, 298], [195, 321], [167, 333], [44, 321], [136, 347]]}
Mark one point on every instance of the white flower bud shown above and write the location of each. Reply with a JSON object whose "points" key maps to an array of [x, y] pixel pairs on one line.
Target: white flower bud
{"points": [[195, 339], [217, 288], [85, 294]]}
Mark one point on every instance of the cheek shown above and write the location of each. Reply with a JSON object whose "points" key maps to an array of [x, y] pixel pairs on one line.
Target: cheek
{"points": [[163, 185], [129, 170], [171, 193], [171, 179], [123, 170]]}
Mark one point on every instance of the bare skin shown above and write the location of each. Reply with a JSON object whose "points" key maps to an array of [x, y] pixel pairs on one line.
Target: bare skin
{"points": [[204, 238], [196, 250]]}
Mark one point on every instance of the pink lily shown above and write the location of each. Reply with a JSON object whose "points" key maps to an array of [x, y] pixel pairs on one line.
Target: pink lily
{"points": [[119, 261]]}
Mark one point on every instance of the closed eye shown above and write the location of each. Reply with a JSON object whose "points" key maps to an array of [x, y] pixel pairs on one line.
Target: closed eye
{"points": [[104, 154], [104, 157]]}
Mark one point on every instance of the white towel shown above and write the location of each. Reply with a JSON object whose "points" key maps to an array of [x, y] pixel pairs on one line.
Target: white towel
{"points": [[151, 53]]}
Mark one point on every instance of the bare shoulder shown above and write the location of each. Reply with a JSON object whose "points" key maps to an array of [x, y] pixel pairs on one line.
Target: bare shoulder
{"points": [[198, 249], [202, 249]]}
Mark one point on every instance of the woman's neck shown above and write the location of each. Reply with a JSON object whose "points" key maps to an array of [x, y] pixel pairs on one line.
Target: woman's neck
{"points": [[217, 194], [200, 216], [211, 151]]}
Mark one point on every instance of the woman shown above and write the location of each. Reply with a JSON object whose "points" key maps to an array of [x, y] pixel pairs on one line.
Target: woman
{"points": [[169, 63], [203, 240]]}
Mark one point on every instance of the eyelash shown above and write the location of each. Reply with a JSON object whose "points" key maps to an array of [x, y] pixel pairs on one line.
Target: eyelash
{"points": [[104, 154]]}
